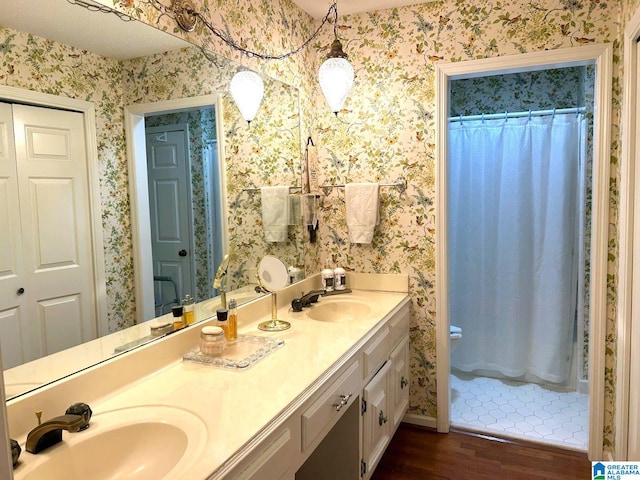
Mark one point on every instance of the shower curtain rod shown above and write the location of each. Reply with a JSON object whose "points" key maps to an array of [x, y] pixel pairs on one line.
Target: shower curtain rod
{"points": [[506, 115]]}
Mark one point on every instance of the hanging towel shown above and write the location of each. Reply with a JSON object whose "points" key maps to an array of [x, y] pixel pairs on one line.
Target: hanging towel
{"points": [[362, 202], [275, 212], [295, 212], [309, 209]]}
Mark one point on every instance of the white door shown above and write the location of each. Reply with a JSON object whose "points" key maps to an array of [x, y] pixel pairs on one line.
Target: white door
{"points": [[170, 211], [47, 283]]}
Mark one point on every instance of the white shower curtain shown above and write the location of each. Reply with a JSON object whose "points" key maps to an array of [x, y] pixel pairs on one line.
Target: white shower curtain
{"points": [[512, 210]]}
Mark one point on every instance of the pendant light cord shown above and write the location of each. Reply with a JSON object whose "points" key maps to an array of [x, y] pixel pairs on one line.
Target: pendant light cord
{"points": [[171, 12]]}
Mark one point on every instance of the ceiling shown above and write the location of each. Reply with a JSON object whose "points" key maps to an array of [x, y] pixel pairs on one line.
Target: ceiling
{"points": [[100, 33], [63, 22], [318, 9]]}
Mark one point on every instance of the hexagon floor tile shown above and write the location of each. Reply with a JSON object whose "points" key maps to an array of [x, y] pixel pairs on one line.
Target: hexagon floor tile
{"points": [[520, 410]]}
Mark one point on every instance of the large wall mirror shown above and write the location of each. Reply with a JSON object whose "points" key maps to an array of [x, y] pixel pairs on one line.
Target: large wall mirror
{"points": [[127, 64]]}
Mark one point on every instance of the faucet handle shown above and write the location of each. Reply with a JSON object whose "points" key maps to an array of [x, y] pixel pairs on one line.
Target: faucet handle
{"points": [[39, 416], [83, 410]]}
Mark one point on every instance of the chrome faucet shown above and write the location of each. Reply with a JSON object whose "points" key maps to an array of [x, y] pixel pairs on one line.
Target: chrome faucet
{"points": [[219, 282], [49, 433]]}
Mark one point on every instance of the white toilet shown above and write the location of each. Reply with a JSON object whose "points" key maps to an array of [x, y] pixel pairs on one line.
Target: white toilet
{"points": [[455, 335]]}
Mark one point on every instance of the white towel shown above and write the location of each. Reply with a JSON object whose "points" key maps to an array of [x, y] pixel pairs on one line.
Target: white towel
{"points": [[362, 202], [275, 213]]}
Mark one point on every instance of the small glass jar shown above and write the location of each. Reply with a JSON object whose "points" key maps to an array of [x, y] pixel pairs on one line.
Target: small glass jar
{"points": [[212, 341]]}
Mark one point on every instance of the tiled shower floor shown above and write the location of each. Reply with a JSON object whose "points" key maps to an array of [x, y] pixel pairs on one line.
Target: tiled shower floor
{"points": [[519, 410]]}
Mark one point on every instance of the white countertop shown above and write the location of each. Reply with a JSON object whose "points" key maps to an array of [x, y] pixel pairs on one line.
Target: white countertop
{"points": [[236, 405]]}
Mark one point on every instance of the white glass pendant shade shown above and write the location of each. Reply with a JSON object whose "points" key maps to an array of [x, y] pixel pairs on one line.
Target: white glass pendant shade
{"points": [[336, 80], [247, 90]]}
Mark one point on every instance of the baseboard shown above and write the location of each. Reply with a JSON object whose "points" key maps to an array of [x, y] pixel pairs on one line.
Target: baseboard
{"points": [[421, 420], [583, 386]]}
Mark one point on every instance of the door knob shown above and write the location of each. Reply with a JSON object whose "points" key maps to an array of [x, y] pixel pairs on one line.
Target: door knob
{"points": [[20, 291], [182, 253]]}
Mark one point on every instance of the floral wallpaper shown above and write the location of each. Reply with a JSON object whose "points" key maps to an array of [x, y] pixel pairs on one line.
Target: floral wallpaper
{"points": [[385, 130], [518, 92]]}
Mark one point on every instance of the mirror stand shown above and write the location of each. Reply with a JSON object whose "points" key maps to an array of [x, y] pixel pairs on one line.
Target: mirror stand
{"points": [[274, 325]]}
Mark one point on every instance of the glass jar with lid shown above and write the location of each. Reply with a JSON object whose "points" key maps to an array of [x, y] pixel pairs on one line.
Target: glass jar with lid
{"points": [[212, 341]]}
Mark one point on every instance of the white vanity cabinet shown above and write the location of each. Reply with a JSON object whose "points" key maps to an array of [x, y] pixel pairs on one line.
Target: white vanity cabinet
{"points": [[385, 396], [352, 446]]}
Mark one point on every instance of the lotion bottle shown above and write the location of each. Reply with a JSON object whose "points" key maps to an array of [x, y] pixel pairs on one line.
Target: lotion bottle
{"points": [[340, 278], [327, 279]]}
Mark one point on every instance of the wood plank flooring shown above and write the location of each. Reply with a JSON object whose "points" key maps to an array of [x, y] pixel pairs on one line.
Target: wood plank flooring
{"points": [[417, 453]]}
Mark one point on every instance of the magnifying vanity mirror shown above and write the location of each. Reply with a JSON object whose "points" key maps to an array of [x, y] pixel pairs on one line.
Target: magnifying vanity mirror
{"points": [[273, 276], [108, 69]]}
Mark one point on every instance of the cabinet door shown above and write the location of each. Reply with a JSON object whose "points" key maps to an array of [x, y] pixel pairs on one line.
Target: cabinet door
{"points": [[376, 427], [399, 389]]}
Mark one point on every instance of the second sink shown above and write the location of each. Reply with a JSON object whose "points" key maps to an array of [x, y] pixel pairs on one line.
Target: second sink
{"points": [[139, 443]]}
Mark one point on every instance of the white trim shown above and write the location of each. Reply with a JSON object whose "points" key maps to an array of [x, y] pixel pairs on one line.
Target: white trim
{"points": [[138, 189], [628, 271], [420, 420], [87, 109], [601, 56], [6, 461]]}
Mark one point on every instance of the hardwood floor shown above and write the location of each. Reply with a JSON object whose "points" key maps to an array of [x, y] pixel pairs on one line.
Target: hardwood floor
{"points": [[417, 453]]}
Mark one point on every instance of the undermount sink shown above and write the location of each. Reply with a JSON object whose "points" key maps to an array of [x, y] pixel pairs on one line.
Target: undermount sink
{"points": [[338, 310], [138, 443]]}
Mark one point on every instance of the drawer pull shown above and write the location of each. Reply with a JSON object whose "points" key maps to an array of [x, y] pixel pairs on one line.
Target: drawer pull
{"points": [[344, 399], [382, 418], [403, 382]]}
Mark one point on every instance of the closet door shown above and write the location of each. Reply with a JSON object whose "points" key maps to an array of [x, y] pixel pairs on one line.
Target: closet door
{"points": [[56, 311], [12, 303]]}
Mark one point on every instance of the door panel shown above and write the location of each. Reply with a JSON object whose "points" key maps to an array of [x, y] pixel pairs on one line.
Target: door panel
{"points": [[11, 266], [170, 208], [53, 197]]}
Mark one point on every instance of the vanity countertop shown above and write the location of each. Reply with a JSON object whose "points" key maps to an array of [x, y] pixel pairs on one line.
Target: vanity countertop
{"points": [[236, 405]]}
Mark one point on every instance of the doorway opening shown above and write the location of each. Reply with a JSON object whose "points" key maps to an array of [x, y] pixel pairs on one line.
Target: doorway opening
{"points": [[599, 57], [519, 150], [203, 242]]}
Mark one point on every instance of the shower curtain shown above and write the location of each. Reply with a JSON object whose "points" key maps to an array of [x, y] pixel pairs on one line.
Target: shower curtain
{"points": [[512, 226]]}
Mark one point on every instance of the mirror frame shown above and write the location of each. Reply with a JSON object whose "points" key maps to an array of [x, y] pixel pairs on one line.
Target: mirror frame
{"points": [[134, 125]]}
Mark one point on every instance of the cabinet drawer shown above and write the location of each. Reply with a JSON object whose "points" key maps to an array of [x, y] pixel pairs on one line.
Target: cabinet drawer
{"points": [[376, 352], [399, 326], [330, 406]]}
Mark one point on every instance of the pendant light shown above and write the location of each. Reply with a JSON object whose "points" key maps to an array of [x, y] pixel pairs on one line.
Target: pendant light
{"points": [[247, 90], [336, 74]]}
